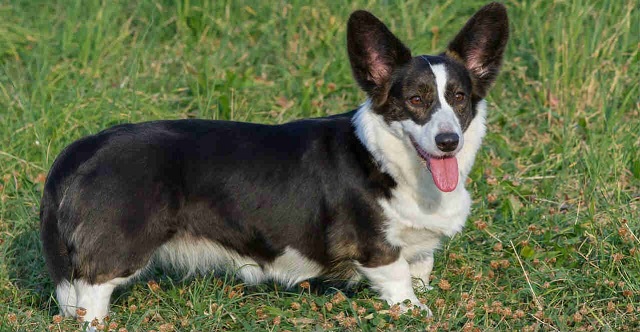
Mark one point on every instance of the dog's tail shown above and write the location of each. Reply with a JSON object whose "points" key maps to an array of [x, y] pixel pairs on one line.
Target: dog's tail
{"points": [[56, 252]]}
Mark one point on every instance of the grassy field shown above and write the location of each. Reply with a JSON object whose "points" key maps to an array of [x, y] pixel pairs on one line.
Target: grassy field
{"points": [[553, 239]]}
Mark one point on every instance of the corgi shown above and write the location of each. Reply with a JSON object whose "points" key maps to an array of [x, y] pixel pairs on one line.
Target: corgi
{"points": [[364, 194]]}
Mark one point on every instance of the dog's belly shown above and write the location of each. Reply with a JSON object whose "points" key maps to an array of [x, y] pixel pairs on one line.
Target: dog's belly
{"points": [[191, 255]]}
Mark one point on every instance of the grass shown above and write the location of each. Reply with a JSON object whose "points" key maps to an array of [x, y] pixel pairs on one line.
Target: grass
{"points": [[553, 239]]}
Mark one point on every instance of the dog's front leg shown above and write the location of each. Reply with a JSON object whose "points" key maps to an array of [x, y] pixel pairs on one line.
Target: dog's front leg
{"points": [[393, 283], [421, 271]]}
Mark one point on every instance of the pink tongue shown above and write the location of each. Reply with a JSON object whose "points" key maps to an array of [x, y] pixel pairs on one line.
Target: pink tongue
{"points": [[444, 172]]}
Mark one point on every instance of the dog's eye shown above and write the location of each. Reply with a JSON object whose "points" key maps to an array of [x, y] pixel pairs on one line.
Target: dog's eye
{"points": [[460, 97], [415, 100]]}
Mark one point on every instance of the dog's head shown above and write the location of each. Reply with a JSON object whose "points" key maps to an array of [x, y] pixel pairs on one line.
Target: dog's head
{"points": [[429, 100]]}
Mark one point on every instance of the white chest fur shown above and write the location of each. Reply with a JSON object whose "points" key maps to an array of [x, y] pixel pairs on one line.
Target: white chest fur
{"points": [[417, 225]]}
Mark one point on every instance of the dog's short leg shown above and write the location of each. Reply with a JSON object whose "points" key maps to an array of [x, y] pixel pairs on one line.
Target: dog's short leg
{"points": [[94, 299], [66, 296], [421, 271], [393, 282]]}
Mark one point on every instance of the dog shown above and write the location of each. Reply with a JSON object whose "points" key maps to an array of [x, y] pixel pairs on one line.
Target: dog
{"points": [[368, 193]]}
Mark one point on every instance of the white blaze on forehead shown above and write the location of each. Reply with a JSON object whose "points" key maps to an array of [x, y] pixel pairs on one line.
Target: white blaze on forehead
{"points": [[445, 118], [441, 75]]}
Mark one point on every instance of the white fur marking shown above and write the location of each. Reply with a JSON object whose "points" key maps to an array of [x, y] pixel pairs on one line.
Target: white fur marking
{"points": [[191, 255], [95, 298], [441, 75], [421, 271], [444, 119], [200, 255], [473, 139], [66, 296], [393, 282], [291, 268]]}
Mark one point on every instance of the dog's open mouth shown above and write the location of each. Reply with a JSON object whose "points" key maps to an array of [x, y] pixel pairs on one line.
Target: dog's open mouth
{"points": [[444, 170]]}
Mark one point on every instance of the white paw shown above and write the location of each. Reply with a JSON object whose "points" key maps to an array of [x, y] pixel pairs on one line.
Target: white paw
{"points": [[421, 284], [404, 308]]}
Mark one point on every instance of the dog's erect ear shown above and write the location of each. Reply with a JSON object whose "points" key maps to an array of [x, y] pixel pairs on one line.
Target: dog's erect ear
{"points": [[480, 45], [373, 51]]}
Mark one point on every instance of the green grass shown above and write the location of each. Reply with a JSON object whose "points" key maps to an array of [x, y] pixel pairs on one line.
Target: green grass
{"points": [[552, 242]]}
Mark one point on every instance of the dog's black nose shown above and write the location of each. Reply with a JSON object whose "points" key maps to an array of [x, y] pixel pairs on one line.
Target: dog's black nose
{"points": [[447, 142]]}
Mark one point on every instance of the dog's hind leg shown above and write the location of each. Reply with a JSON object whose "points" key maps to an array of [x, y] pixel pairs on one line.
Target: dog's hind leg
{"points": [[66, 296], [93, 299]]}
